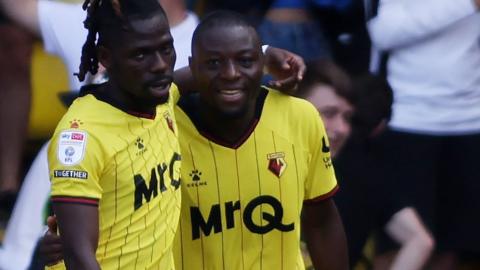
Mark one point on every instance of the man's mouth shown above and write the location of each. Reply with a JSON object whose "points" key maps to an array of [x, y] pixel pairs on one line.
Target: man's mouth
{"points": [[160, 88], [231, 94]]}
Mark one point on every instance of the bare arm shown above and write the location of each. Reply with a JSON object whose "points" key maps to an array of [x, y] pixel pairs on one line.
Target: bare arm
{"points": [[400, 23], [183, 78], [78, 226], [416, 243], [325, 236], [24, 13], [286, 68]]}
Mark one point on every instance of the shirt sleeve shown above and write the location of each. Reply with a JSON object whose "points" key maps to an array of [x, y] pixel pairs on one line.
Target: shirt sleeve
{"points": [[63, 34], [75, 166], [321, 182], [403, 22]]}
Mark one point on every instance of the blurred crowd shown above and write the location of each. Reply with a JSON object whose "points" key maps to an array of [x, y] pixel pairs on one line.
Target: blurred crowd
{"points": [[396, 82]]}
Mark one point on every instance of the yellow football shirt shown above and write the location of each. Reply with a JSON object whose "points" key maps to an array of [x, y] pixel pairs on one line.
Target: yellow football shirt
{"points": [[241, 203], [127, 165]]}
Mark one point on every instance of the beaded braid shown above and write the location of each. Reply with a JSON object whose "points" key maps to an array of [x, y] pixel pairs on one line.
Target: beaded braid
{"points": [[96, 11], [89, 61]]}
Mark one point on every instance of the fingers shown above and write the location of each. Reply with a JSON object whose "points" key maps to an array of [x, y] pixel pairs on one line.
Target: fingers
{"points": [[52, 224], [294, 69], [50, 249], [54, 259], [288, 85], [298, 66]]}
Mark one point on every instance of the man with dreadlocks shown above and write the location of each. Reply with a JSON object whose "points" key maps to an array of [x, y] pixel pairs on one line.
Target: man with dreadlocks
{"points": [[114, 158], [59, 25], [250, 170]]}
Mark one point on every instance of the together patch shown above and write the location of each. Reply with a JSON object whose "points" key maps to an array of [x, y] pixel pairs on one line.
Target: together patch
{"points": [[70, 174]]}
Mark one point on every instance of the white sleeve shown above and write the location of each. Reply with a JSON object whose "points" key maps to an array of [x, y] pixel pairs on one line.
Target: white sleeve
{"points": [[26, 224], [63, 34], [401, 22]]}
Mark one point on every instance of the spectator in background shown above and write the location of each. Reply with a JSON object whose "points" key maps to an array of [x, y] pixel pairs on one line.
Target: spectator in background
{"points": [[254, 10], [347, 35], [363, 201], [432, 144], [15, 52], [289, 24]]}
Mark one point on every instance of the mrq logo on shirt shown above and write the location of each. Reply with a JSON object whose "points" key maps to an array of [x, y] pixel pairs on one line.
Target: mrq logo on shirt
{"points": [[271, 221]]}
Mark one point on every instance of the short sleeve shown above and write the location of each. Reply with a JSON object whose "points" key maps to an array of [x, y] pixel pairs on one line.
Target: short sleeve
{"points": [[321, 182], [75, 165]]}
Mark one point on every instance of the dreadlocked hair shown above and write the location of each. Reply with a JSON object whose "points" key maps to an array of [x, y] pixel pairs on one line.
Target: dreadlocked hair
{"points": [[106, 16]]}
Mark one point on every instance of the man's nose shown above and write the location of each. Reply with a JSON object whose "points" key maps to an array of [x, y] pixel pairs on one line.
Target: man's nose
{"points": [[229, 71], [158, 63], [343, 126]]}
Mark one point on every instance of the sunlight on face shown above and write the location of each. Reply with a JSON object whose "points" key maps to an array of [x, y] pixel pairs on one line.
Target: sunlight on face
{"points": [[336, 113]]}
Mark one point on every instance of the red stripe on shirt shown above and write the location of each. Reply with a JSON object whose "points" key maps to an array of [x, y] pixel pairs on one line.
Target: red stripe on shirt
{"points": [[323, 197], [77, 200]]}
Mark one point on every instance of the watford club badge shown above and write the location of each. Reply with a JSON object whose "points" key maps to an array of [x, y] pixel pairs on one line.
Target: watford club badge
{"points": [[276, 163], [169, 120]]}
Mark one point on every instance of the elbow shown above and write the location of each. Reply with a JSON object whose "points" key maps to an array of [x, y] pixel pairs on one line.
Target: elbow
{"points": [[426, 243], [423, 243]]}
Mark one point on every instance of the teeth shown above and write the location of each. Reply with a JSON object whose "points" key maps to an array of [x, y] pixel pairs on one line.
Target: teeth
{"points": [[230, 92]]}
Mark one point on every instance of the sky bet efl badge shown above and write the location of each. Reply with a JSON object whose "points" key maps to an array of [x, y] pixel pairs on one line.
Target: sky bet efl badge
{"points": [[71, 147]]}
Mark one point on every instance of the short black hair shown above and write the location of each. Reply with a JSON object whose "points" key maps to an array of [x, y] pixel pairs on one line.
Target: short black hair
{"points": [[220, 18], [374, 99], [326, 72], [106, 16]]}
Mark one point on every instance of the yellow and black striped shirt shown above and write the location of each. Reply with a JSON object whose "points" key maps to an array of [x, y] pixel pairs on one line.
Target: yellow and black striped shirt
{"points": [[241, 203], [127, 165]]}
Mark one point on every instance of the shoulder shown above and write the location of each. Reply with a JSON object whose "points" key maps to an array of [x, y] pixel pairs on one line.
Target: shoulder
{"points": [[86, 113], [291, 106]]}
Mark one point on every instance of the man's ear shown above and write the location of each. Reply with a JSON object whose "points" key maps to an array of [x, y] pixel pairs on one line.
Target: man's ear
{"points": [[104, 56]]}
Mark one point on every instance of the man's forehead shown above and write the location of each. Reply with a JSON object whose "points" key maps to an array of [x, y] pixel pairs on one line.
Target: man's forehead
{"points": [[145, 25], [224, 38]]}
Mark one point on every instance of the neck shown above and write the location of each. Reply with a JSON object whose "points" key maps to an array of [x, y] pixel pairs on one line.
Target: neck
{"points": [[120, 99], [175, 10], [227, 129]]}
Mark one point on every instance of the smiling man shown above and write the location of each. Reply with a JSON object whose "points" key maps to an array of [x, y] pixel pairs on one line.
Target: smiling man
{"points": [[252, 163], [114, 140]]}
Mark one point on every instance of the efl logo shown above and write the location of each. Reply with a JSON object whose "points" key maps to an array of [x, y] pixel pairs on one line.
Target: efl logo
{"points": [[71, 147], [77, 136]]}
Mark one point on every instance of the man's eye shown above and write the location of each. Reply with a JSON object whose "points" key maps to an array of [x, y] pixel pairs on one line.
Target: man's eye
{"points": [[327, 114], [213, 62], [167, 50], [139, 56], [246, 62]]}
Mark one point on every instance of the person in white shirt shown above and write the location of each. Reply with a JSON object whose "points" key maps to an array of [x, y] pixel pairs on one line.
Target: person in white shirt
{"points": [[433, 141]]}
